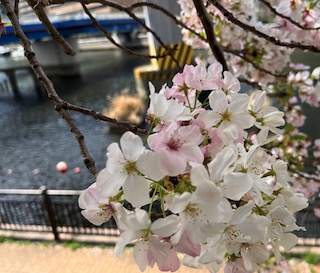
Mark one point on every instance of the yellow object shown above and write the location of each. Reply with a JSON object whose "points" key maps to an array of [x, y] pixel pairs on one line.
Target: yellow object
{"points": [[165, 67]]}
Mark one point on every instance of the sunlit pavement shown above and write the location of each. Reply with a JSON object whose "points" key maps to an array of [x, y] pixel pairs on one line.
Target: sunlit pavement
{"points": [[23, 257], [33, 258]]}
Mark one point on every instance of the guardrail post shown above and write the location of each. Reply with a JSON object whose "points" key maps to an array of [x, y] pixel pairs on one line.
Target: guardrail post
{"points": [[14, 84], [48, 207]]}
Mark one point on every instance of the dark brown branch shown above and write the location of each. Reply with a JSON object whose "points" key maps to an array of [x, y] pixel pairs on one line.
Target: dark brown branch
{"points": [[38, 9], [16, 7], [252, 83], [242, 56], [273, 10], [229, 16], [87, 159], [99, 116], [208, 26], [62, 106]]}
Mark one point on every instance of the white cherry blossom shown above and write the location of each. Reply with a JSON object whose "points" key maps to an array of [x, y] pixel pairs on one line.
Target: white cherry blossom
{"points": [[205, 189], [127, 165], [225, 113]]}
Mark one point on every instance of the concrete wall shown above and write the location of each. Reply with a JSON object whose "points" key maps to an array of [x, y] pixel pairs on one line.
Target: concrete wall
{"points": [[167, 30]]}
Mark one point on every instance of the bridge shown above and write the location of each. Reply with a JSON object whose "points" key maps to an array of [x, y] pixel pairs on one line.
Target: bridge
{"points": [[71, 23], [70, 28]]}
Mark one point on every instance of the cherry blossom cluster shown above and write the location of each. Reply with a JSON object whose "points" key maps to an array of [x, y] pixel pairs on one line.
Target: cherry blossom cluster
{"points": [[256, 58], [259, 60], [201, 189], [301, 88]]}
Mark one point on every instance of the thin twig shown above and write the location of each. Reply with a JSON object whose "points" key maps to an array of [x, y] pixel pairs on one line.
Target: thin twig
{"points": [[168, 14], [208, 26], [252, 83], [128, 11], [229, 16], [120, 8], [307, 176], [39, 10], [273, 10], [169, 51], [242, 56]]}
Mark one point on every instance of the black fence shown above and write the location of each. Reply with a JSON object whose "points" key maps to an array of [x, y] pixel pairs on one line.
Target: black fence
{"points": [[57, 211], [307, 219], [43, 210]]}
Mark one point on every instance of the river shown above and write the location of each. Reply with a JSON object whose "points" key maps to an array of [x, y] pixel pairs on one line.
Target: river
{"points": [[33, 137]]}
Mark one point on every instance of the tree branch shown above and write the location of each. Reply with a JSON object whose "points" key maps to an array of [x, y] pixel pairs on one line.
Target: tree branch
{"points": [[208, 26], [253, 84], [39, 11], [242, 56], [169, 51], [128, 11], [273, 10], [52, 94], [99, 116], [118, 7], [168, 14], [307, 176], [16, 7], [229, 16]]}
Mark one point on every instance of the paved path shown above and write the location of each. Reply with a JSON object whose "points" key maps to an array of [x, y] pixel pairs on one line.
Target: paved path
{"points": [[32, 258]]}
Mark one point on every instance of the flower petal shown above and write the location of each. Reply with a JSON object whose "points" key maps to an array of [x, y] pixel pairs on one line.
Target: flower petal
{"points": [[125, 238], [107, 184], [95, 216], [218, 101], [149, 164], [165, 227], [140, 254], [115, 158], [164, 255], [221, 163], [180, 202], [235, 185], [136, 191], [172, 163], [288, 241], [132, 146]]}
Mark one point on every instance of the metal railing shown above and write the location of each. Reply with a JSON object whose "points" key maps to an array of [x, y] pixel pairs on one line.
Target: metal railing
{"points": [[57, 211], [307, 219], [44, 210]]}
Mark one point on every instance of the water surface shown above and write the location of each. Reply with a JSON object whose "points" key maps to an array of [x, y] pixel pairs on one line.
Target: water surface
{"points": [[33, 137]]}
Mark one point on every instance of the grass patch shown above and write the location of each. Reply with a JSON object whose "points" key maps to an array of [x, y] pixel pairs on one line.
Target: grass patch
{"points": [[73, 245], [311, 258], [308, 257], [4, 239]]}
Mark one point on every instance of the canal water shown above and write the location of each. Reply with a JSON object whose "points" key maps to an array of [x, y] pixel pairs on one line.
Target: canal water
{"points": [[33, 137]]}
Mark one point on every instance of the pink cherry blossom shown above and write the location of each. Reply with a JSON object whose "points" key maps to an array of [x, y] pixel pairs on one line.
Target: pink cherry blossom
{"points": [[96, 207], [177, 146]]}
